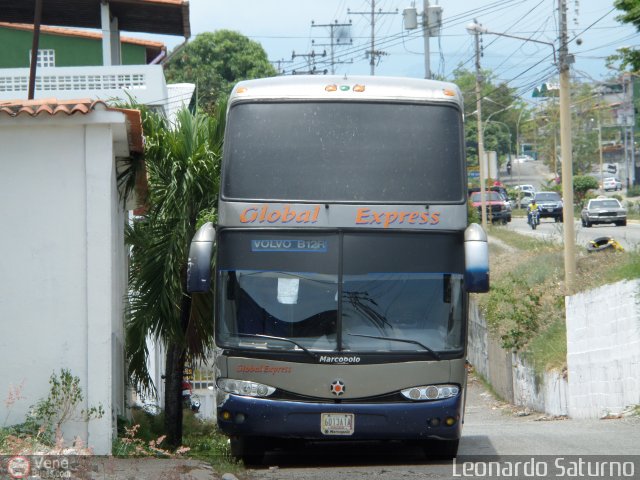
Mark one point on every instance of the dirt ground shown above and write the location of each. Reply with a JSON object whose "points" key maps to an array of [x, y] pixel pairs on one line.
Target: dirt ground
{"points": [[149, 468]]}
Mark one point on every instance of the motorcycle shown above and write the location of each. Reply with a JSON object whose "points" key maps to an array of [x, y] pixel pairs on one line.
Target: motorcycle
{"points": [[533, 219]]}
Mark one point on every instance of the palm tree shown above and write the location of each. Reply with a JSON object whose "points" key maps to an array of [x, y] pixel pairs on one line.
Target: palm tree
{"points": [[183, 165]]}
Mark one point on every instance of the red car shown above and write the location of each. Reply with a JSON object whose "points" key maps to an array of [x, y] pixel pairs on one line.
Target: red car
{"points": [[497, 207]]}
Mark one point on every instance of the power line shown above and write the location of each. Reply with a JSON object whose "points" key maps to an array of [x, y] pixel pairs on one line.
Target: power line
{"points": [[397, 39], [334, 40], [372, 52]]}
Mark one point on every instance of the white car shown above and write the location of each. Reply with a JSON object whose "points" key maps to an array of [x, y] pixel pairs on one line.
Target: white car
{"points": [[525, 188], [611, 183]]}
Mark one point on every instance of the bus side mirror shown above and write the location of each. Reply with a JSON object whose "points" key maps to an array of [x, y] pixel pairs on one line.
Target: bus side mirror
{"points": [[199, 265], [476, 259]]}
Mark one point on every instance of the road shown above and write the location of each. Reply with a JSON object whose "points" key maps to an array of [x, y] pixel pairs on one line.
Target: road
{"points": [[628, 237], [491, 428], [527, 173]]}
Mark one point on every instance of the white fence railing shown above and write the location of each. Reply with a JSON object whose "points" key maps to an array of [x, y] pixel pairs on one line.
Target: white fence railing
{"points": [[145, 83]]}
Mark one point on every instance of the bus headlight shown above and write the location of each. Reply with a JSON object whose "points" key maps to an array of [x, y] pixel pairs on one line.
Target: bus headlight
{"points": [[431, 392], [244, 387]]}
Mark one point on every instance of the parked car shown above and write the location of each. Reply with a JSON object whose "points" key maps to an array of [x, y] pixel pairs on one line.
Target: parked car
{"points": [[550, 205], [523, 199], [604, 210], [498, 210], [611, 183], [525, 188]]}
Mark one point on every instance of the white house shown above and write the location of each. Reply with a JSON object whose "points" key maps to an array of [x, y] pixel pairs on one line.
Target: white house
{"points": [[62, 254]]}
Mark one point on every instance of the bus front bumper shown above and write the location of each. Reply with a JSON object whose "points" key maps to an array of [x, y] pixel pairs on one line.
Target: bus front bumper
{"points": [[248, 416]]}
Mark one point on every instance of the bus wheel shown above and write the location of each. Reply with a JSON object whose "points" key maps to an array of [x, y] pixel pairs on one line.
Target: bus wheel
{"points": [[248, 449], [441, 449]]}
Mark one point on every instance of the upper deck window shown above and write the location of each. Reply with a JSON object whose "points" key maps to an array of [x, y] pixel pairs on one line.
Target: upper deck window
{"points": [[344, 152]]}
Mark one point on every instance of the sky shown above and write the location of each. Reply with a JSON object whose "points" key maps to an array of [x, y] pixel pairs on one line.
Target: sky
{"points": [[285, 26]]}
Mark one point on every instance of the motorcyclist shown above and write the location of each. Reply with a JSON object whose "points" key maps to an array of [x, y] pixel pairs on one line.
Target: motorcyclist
{"points": [[533, 207]]}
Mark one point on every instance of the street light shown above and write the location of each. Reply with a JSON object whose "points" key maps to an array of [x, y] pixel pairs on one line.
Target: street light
{"points": [[483, 210], [475, 28], [565, 130]]}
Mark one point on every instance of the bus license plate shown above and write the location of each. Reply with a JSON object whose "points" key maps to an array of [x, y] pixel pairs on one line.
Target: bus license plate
{"points": [[337, 423]]}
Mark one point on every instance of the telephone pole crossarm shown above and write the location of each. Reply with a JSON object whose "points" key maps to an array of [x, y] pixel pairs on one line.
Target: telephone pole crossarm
{"points": [[373, 53], [333, 42]]}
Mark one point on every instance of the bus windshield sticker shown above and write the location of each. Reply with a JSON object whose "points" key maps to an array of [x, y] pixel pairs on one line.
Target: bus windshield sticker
{"points": [[283, 245], [288, 290]]}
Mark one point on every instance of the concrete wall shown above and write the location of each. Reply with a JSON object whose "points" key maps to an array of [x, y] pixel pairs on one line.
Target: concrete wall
{"points": [[487, 357], [603, 340], [509, 374], [603, 357], [62, 264]]}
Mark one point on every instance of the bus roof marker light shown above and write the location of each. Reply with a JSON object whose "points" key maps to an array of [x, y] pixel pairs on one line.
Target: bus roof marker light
{"points": [[331, 88], [358, 88], [241, 90], [345, 88], [449, 93]]}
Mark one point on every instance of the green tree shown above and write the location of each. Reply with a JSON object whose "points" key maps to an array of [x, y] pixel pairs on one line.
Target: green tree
{"points": [[215, 61], [499, 105], [183, 177], [581, 185], [627, 57]]}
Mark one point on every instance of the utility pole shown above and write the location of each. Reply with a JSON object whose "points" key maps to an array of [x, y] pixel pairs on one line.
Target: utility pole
{"points": [[427, 52], [566, 151], [278, 64], [311, 62], [481, 161], [334, 42], [373, 53], [431, 24]]}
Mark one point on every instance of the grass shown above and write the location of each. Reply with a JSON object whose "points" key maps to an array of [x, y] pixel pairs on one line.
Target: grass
{"points": [[525, 307], [201, 437]]}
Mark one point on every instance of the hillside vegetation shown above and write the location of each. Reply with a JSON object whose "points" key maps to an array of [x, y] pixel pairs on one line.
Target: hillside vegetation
{"points": [[525, 306]]}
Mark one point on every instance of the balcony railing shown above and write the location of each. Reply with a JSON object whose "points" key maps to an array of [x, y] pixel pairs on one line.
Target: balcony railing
{"points": [[145, 83]]}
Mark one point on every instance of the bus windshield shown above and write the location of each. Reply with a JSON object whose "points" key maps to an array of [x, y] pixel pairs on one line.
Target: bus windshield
{"points": [[370, 152], [412, 307]]}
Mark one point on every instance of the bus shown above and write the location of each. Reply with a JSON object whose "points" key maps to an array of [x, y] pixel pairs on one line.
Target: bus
{"points": [[343, 260]]}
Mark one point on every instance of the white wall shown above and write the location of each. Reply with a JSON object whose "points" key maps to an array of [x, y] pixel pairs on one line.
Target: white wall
{"points": [[62, 264], [603, 350]]}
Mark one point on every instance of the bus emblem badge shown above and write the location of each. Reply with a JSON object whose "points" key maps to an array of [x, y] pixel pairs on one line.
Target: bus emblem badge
{"points": [[337, 387]]}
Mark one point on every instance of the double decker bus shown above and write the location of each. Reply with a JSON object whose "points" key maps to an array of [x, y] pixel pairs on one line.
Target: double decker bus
{"points": [[343, 263]]}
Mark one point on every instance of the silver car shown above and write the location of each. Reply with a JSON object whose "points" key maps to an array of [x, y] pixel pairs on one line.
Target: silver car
{"points": [[604, 210]]}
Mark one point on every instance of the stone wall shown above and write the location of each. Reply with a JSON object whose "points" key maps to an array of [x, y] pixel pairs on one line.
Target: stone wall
{"points": [[509, 374], [603, 349], [603, 357]]}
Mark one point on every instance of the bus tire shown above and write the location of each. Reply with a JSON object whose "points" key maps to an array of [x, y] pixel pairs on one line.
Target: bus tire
{"points": [[440, 449], [250, 450]]}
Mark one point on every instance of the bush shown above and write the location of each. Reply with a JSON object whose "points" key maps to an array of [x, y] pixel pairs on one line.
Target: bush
{"points": [[633, 191]]}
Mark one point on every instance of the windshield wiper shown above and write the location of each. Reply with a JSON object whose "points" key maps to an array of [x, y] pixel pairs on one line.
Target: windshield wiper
{"points": [[283, 339], [433, 353]]}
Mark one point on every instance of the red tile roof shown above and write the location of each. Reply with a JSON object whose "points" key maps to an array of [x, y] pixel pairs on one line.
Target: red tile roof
{"points": [[52, 106], [168, 17], [48, 106], [74, 32]]}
